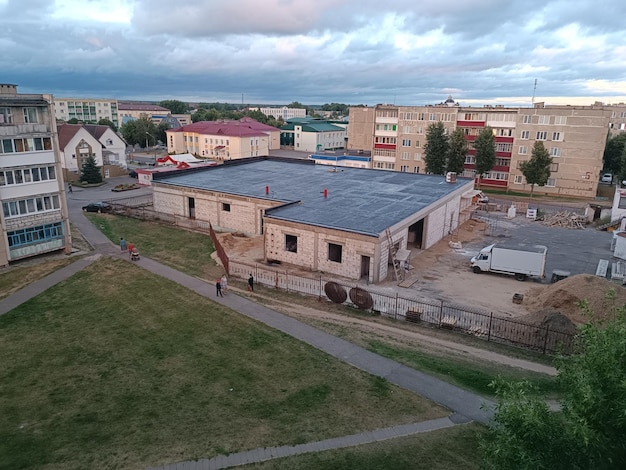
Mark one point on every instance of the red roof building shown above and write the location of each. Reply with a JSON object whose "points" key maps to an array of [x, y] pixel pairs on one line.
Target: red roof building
{"points": [[224, 140]]}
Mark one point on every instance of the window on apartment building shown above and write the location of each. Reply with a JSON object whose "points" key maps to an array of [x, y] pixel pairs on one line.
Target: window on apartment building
{"points": [[556, 136], [555, 152], [551, 183], [432, 117], [6, 115], [416, 169], [502, 162], [528, 119], [34, 235], [30, 205], [25, 145], [554, 168], [291, 243], [421, 117], [405, 156], [417, 156], [419, 130], [544, 119], [560, 120], [334, 252], [519, 179], [525, 135], [30, 115], [404, 168], [470, 160], [225, 207], [406, 142], [418, 144], [504, 147], [523, 150], [542, 135]]}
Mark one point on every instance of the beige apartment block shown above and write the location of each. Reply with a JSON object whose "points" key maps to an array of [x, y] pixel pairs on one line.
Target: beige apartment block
{"points": [[617, 122], [575, 137]]}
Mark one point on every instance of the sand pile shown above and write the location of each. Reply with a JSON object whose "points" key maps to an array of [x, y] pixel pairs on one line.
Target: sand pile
{"points": [[564, 295]]}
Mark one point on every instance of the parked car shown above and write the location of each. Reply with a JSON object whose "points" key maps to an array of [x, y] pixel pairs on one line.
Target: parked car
{"points": [[98, 207], [607, 178]]}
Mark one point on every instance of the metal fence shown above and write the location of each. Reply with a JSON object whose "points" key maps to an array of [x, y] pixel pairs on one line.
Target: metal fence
{"points": [[440, 314]]}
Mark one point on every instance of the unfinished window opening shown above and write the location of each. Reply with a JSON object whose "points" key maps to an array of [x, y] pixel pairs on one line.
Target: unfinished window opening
{"points": [[334, 252], [225, 207], [291, 243]]}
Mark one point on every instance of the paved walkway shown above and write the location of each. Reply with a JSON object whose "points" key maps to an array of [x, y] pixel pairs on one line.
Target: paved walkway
{"points": [[465, 406]]}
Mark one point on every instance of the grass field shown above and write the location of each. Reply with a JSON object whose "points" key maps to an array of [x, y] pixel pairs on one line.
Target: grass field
{"points": [[189, 252], [118, 368], [19, 276]]}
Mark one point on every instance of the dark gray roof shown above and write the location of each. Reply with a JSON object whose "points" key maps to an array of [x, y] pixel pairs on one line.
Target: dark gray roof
{"points": [[359, 200]]}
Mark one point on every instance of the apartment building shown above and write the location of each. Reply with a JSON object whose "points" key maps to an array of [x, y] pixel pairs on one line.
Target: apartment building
{"points": [[617, 122], [87, 110], [34, 218], [575, 136], [282, 112]]}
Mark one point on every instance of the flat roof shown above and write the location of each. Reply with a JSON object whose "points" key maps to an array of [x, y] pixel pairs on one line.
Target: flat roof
{"points": [[359, 200]]}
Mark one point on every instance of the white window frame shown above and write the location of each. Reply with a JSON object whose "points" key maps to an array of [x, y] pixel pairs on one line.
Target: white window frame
{"points": [[525, 135], [519, 179]]}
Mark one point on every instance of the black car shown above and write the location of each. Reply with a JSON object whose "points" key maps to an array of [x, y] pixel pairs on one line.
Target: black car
{"points": [[98, 207]]}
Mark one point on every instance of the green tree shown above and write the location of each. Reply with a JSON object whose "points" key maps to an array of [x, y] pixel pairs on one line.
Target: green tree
{"points": [[175, 106], [436, 149], [73, 121], [90, 172], [142, 132], [622, 171], [590, 430], [457, 150], [257, 116], [537, 169], [613, 151], [485, 145], [107, 122]]}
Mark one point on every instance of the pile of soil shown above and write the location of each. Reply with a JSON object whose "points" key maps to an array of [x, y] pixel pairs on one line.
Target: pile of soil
{"points": [[563, 297]]}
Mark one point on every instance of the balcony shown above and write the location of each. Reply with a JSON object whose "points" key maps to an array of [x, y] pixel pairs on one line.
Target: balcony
{"points": [[23, 129]]}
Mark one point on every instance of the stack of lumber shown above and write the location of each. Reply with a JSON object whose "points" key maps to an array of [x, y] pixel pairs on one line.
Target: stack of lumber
{"points": [[565, 219]]}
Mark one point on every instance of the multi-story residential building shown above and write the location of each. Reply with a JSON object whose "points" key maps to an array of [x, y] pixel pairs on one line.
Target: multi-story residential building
{"points": [[224, 140], [617, 122], [396, 135], [575, 137], [312, 135], [34, 217], [87, 110], [158, 114], [282, 112]]}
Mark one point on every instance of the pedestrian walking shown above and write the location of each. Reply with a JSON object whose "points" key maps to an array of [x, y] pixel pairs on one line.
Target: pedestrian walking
{"points": [[69, 187], [131, 247], [224, 283], [123, 246], [251, 283], [218, 288]]}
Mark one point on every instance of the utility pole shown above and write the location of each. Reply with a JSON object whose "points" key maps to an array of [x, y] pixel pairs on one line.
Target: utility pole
{"points": [[532, 101]]}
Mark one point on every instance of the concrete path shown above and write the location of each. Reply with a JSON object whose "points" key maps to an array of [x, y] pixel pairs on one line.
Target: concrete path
{"points": [[465, 406]]}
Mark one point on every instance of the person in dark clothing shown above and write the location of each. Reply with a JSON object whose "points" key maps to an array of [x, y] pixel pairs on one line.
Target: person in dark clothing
{"points": [[218, 288], [69, 187], [251, 283]]}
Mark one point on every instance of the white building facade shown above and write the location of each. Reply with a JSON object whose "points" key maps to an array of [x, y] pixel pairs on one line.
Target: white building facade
{"points": [[34, 218], [87, 110]]}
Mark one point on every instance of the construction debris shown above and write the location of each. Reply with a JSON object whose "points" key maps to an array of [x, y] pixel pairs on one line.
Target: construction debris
{"points": [[565, 219]]}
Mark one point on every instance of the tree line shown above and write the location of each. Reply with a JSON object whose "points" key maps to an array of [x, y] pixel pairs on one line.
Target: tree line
{"points": [[446, 153]]}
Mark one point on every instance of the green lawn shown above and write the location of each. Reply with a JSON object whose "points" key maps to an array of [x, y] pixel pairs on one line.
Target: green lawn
{"points": [[16, 277], [118, 368], [453, 448], [186, 251]]}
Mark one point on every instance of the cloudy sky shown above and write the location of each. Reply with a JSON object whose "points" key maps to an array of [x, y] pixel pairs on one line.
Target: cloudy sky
{"points": [[407, 52]]}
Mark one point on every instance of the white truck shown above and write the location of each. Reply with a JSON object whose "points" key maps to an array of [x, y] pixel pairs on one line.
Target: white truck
{"points": [[518, 261]]}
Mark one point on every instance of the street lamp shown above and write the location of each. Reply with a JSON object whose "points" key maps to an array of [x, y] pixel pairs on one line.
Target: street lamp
{"points": [[155, 152]]}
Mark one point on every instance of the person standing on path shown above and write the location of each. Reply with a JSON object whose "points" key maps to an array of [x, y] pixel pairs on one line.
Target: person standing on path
{"points": [[218, 288], [69, 187], [251, 283], [224, 283], [123, 246]]}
